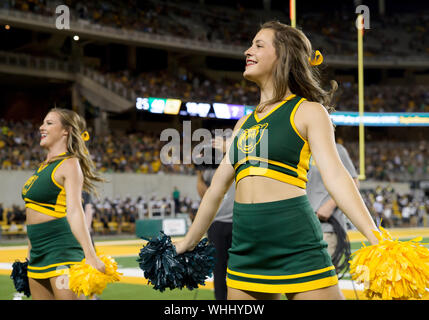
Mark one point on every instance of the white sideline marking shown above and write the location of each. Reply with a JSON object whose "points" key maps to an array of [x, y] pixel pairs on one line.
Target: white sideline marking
{"points": [[137, 272]]}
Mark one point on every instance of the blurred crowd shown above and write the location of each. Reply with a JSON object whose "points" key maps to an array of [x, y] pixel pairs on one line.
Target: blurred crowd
{"points": [[128, 210], [140, 153], [118, 152], [383, 98], [388, 208], [188, 86], [393, 161], [118, 215], [13, 215], [392, 209], [405, 35], [392, 34]]}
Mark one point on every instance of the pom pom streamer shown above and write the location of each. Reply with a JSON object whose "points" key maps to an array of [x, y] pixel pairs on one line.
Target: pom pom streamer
{"points": [[392, 269], [85, 279], [20, 278], [157, 260], [198, 263], [165, 269]]}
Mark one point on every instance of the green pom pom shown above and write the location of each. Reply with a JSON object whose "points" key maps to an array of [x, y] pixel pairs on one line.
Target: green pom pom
{"points": [[20, 278], [158, 261], [165, 269]]}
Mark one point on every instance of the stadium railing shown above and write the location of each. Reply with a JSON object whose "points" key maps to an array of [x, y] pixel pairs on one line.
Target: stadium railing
{"points": [[90, 30], [216, 48], [115, 97], [161, 212]]}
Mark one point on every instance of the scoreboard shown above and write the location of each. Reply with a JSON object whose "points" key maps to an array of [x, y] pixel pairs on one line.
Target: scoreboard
{"points": [[234, 112], [189, 108]]}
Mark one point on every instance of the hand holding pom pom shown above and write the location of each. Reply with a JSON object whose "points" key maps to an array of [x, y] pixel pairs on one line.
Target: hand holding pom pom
{"points": [[85, 279], [19, 277], [165, 269], [392, 269], [157, 260], [199, 263]]}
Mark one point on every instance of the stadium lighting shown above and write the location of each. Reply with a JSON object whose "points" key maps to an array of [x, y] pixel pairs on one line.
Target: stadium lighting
{"points": [[76, 38]]}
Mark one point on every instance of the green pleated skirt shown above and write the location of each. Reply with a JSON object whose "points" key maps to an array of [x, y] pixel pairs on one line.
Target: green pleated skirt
{"points": [[278, 247], [53, 249]]}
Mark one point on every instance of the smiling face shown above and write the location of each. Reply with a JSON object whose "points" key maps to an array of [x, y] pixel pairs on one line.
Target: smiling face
{"points": [[261, 57], [52, 131]]}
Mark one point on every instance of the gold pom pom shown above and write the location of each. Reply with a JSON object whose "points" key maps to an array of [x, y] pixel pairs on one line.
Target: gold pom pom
{"points": [[85, 279], [392, 269]]}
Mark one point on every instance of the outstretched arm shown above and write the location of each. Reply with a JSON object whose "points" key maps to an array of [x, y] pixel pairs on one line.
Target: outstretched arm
{"points": [[340, 185], [209, 205], [213, 196]]}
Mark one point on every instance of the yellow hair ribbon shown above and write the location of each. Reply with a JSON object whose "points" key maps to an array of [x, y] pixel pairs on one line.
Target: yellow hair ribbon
{"points": [[85, 135], [318, 58]]}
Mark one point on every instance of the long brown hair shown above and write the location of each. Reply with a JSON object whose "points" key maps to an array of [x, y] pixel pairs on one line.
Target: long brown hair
{"points": [[76, 147], [293, 69]]}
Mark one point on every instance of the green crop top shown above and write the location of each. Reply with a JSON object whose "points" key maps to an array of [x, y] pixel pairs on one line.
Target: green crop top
{"points": [[42, 193], [271, 146]]}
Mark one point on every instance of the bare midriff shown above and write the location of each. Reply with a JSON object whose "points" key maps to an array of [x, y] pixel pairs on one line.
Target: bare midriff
{"points": [[35, 217], [257, 189]]}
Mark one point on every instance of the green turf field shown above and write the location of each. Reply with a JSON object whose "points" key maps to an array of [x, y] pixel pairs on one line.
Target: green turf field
{"points": [[124, 291]]}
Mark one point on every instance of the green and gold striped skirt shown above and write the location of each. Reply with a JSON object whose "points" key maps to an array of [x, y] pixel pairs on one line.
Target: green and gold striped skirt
{"points": [[53, 249], [278, 247]]}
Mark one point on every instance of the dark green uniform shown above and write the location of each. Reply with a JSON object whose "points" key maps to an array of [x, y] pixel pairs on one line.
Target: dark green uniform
{"points": [[42, 193], [277, 247], [53, 245], [272, 146]]}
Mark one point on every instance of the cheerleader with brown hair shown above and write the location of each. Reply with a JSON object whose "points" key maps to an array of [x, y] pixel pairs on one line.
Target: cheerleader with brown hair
{"points": [[277, 241]]}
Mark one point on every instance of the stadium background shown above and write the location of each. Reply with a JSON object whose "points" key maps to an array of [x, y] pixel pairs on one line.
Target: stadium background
{"points": [[121, 60]]}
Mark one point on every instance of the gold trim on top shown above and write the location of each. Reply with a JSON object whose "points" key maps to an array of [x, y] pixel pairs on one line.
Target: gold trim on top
{"points": [[301, 172], [53, 174], [39, 203], [269, 173], [305, 153], [42, 167], [244, 121], [304, 157], [44, 164], [46, 211], [292, 116], [274, 109]]}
